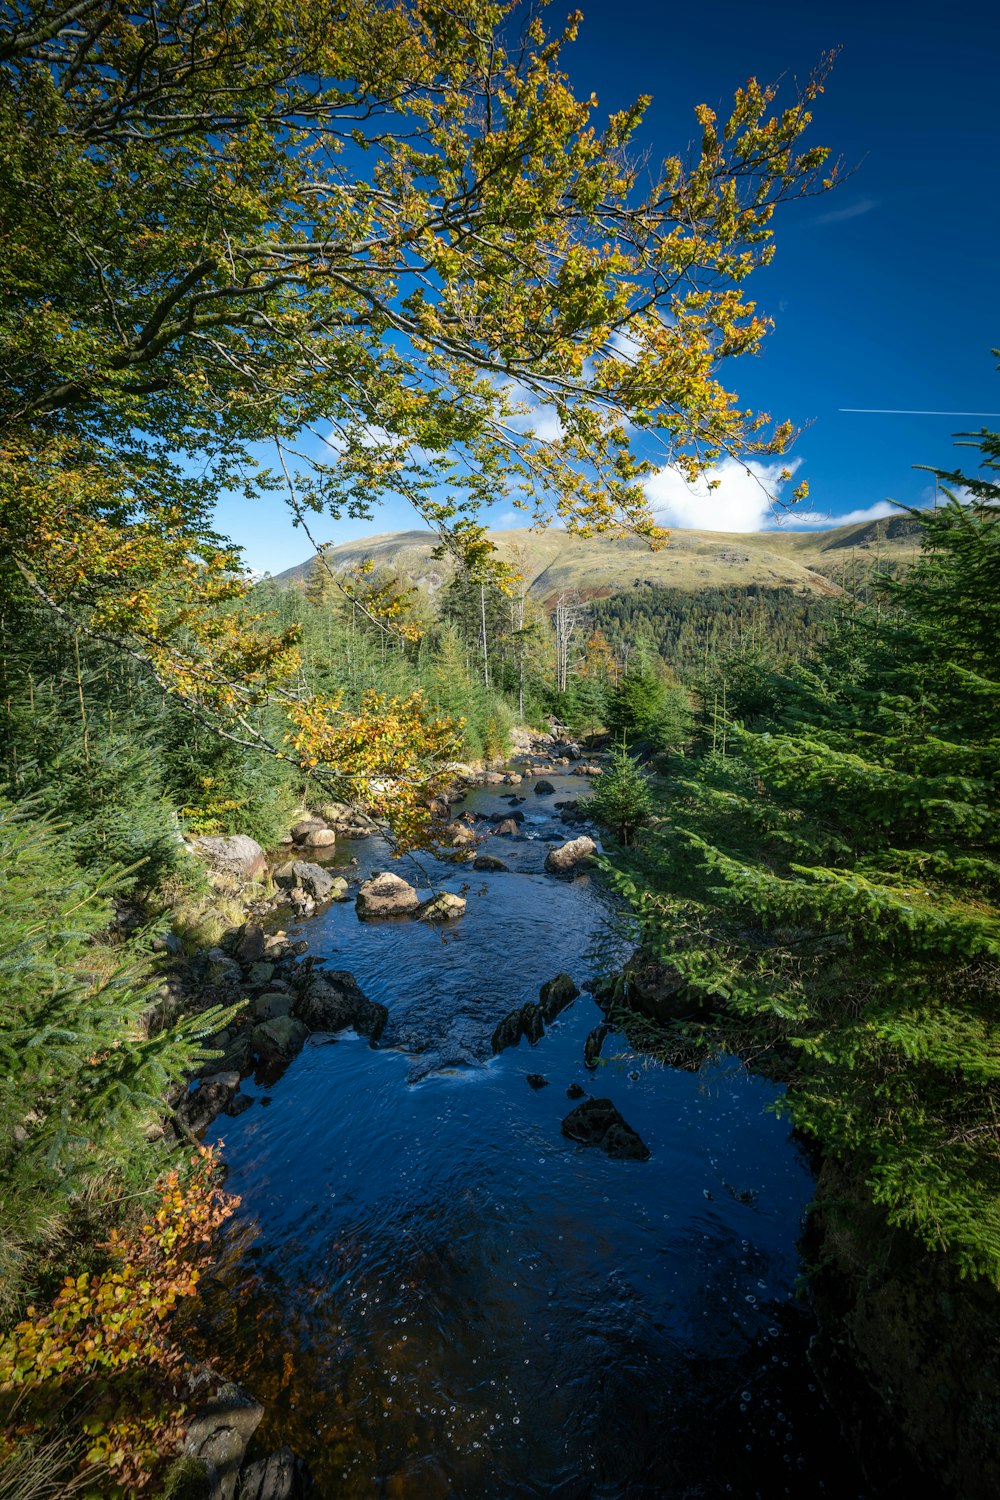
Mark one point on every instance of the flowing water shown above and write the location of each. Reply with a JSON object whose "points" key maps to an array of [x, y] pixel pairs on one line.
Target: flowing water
{"points": [[435, 1293]]}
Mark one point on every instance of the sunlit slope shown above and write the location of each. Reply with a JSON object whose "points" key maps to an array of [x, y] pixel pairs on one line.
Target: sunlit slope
{"points": [[554, 562]]}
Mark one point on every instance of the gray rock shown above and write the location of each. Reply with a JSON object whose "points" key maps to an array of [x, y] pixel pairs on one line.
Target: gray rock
{"points": [[279, 1039], [281, 1476], [261, 973], [237, 1104], [575, 1091], [312, 879], [335, 1000], [544, 788], [200, 1108], [596, 1122], [507, 817], [302, 830], [250, 944], [320, 838], [386, 895], [218, 1434], [236, 856], [536, 1080], [271, 1004], [568, 856], [507, 829], [555, 995]]}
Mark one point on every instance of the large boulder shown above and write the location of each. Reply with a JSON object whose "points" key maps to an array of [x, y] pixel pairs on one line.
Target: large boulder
{"points": [[440, 908], [234, 856], [305, 828], [312, 879], [386, 895], [555, 995], [320, 838], [568, 856], [596, 1122], [332, 1001]]}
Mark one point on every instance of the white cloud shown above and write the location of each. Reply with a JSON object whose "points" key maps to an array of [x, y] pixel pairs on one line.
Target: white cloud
{"points": [[740, 501], [849, 211]]}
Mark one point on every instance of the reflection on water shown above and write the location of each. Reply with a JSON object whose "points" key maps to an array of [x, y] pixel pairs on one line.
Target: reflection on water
{"points": [[434, 1293]]}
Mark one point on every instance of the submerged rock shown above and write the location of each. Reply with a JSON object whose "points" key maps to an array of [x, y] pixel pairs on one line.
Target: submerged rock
{"points": [[490, 862], [386, 895], [596, 1122], [213, 1094], [575, 1091], [217, 1434], [536, 1080], [568, 856]]}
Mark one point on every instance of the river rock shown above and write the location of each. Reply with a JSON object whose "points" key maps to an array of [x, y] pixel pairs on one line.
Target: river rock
{"points": [[536, 1080], [250, 943], [332, 1001], [236, 857], [507, 817], [566, 858], [305, 827], [440, 908], [544, 788], [458, 835], [514, 778], [575, 1091], [525, 1022], [592, 1046], [555, 995], [320, 838], [282, 1476], [273, 1003], [217, 1435], [596, 1122], [386, 895], [279, 1039], [489, 862], [312, 879], [507, 829]]}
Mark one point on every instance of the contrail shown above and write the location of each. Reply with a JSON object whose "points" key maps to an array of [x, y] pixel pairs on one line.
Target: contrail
{"points": [[902, 411]]}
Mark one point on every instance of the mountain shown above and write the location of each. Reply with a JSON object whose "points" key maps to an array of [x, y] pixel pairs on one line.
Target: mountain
{"points": [[807, 562]]}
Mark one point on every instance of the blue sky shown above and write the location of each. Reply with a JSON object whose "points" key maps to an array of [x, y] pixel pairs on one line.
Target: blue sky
{"points": [[884, 294]]}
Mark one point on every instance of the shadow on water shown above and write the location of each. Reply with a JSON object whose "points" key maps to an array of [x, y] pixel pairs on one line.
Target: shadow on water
{"points": [[434, 1293]]}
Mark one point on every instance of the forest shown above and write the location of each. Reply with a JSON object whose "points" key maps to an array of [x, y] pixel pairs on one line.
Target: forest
{"points": [[388, 248]]}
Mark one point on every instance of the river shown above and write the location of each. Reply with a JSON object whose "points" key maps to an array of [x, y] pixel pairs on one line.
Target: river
{"points": [[434, 1293]]}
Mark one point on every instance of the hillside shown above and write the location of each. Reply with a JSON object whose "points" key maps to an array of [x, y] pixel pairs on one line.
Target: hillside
{"points": [[807, 562]]}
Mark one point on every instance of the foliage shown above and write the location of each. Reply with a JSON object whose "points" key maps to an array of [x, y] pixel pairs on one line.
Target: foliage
{"points": [[82, 1074], [104, 1345], [829, 889], [621, 798], [233, 227], [645, 707]]}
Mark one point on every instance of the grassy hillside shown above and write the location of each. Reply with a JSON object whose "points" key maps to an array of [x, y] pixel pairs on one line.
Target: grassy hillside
{"points": [[807, 562]]}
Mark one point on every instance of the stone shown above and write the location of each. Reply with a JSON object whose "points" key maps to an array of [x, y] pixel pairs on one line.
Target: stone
{"points": [[280, 1476], [555, 995], [575, 1091], [592, 1046], [261, 973], [320, 838], [489, 862], [514, 778], [333, 1001], [238, 1104], [524, 1022], [596, 1122], [313, 880], [536, 1080], [273, 1003], [507, 829], [340, 891], [306, 826], [279, 1039], [457, 834], [217, 1435], [250, 944], [234, 856], [568, 856], [440, 908], [386, 895], [198, 1109], [544, 788]]}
